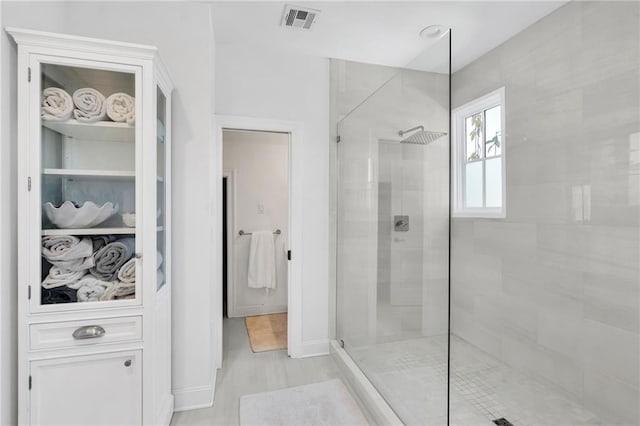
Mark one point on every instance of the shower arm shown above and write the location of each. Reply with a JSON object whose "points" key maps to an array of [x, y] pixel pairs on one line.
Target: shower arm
{"points": [[404, 132]]}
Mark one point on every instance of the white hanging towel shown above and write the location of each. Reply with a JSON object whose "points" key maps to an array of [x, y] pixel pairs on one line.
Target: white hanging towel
{"points": [[262, 260]]}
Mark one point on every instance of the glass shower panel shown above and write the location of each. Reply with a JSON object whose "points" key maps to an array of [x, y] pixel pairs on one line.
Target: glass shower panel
{"points": [[392, 242]]}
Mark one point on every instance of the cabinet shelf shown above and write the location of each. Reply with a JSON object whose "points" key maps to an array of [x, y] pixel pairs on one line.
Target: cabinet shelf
{"points": [[94, 231], [112, 174], [90, 231], [100, 131]]}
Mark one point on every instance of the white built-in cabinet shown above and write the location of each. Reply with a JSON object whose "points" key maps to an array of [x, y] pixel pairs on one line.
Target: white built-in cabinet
{"points": [[94, 232]]}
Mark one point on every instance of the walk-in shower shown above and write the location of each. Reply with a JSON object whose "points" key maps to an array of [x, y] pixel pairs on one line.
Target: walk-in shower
{"points": [[527, 317]]}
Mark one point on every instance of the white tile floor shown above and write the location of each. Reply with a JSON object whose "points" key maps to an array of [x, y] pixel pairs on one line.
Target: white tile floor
{"points": [[244, 372], [411, 375]]}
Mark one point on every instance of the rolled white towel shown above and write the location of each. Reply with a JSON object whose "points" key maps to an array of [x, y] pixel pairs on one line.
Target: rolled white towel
{"points": [[68, 252], [90, 289], [121, 108], [57, 105], [86, 280], [92, 292], [119, 289], [127, 272], [58, 277], [90, 105]]}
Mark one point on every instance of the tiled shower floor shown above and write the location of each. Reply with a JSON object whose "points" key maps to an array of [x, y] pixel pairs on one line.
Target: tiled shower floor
{"points": [[411, 376]]}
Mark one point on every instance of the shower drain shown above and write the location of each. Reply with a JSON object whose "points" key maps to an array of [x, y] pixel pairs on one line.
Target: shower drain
{"points": [[502, 422]]}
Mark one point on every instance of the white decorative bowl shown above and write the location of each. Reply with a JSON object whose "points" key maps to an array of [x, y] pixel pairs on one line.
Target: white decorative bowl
{"points": [[129, 219], [87, 216]]}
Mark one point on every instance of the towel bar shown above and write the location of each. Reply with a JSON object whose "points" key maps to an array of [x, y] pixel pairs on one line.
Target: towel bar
{"points": [[276, 232]]}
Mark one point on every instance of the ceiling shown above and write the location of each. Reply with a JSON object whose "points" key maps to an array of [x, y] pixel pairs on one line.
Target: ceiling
{"points": [[383, 33]]}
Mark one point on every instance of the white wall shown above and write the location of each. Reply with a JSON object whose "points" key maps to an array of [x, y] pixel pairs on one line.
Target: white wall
{"points": [[548, 292], [258, 163], [183, 32], [259, 83], [8, 409]]}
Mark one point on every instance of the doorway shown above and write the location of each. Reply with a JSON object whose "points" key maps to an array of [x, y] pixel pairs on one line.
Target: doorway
{"points": [[238, 215], [256, 212]]}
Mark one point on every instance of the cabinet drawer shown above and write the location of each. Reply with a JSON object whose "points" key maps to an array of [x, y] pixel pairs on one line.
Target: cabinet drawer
{"points": [[60, 334]]}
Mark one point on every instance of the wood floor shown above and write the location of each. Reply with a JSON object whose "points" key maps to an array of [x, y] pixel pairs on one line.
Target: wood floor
{"points": [[244, 372]]}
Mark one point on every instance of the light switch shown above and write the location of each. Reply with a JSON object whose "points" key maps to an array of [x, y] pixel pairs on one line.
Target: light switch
{"points": [[401, 223]]}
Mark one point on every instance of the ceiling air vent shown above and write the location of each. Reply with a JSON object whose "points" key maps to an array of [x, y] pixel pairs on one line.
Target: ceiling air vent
{"points": [[299, 17]]}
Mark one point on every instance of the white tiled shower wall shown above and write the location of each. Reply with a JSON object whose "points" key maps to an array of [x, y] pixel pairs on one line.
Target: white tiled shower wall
{"points": [[554, 289]]}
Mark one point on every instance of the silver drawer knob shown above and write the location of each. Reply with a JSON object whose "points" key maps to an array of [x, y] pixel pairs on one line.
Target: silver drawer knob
{"points": [[88, 332], [127, 363]]}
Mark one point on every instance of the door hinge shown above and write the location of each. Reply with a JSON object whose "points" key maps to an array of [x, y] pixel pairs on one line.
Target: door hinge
{"points": [[338, 139], [341, 343], [288, 254], [29, 183], [29, 75], [30, 382], [29, 291]]}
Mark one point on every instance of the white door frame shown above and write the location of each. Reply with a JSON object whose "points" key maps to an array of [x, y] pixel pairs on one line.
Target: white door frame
{"points": [[294, 301], [231, 209]]}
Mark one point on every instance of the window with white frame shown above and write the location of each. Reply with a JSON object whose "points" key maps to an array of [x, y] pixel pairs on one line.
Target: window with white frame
{"points": [[478, 159]]}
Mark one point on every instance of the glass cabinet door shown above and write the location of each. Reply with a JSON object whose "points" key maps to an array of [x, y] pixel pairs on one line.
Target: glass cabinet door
{"points": [[161, 146], [87, 193]]}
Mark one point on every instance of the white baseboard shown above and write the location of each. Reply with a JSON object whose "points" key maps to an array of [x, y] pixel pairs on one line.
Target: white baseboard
{"points": [[248, 311], [368, 396], [313, 348], [193, 398]]}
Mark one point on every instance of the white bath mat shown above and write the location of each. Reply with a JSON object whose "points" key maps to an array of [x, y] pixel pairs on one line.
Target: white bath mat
{"points": [[326, 403]]}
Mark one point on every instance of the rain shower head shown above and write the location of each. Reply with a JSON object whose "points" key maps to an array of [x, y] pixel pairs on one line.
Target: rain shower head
{"points": [[423, 137]]}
